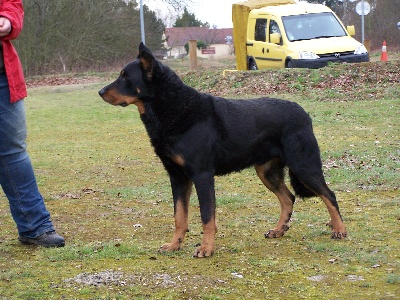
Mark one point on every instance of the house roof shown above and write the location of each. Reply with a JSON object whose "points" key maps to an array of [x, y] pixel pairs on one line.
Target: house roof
{"points": [[179, 36]]}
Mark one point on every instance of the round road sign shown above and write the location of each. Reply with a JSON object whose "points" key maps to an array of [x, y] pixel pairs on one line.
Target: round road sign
{"points": [[359, 9]]}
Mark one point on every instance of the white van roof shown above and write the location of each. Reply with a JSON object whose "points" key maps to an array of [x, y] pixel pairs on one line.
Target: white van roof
{"points": [[291, 9]]}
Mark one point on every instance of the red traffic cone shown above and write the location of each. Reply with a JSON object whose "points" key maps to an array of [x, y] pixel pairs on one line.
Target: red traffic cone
{"points": [[384, 56]]}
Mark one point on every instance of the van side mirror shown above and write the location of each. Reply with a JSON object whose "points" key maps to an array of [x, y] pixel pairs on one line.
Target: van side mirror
{"points": [[275, 38], [351, 30]]}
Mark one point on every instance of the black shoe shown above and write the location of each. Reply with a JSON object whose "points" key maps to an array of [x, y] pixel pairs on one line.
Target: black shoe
{"points": [[48, 239]]}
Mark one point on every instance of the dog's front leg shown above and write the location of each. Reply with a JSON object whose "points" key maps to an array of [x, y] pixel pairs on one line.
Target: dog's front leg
{"points": [[204, 184], [181, 190]]}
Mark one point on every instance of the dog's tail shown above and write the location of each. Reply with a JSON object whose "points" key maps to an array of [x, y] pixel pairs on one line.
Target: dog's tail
{"points": [[299, 188]]}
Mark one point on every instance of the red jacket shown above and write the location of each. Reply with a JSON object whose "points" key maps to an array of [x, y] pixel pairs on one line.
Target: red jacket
{"points": [[14, 11]]}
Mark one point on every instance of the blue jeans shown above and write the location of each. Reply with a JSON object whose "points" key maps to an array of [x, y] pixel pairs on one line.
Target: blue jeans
{"points": [[16, 173]]}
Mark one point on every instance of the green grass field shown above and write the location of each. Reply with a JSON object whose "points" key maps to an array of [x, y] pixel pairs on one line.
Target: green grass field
{"points": [[110, 198]]}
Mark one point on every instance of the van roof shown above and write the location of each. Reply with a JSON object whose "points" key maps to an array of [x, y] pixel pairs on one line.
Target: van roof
{"points": [[290, 9]]}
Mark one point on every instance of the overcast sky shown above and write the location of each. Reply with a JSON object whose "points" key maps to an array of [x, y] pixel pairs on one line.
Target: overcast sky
{"points": [[215, 12]]}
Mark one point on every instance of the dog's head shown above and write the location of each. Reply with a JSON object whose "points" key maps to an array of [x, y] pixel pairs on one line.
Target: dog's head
{"points": [[133, 83]]}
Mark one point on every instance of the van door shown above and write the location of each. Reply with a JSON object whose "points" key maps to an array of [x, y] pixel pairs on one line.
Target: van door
{"points": [[260, 37], [275, 56]]}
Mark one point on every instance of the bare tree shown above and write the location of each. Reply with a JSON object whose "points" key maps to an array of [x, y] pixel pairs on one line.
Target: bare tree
{"points": [[67, 35], [178, 5]]}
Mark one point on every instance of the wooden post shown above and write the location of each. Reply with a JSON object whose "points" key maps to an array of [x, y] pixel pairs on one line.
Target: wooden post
{"points": [[367, 44], [193, 54]]}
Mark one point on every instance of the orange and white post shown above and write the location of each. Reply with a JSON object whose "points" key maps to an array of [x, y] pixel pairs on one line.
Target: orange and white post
{"points": [[384, 56]]}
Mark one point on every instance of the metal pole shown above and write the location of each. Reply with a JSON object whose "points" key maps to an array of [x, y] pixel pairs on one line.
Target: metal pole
{"points": [[142, 22], [362, 22]]}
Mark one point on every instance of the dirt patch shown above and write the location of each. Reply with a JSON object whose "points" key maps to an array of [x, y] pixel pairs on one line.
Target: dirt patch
{"points": [[153, 281], [55, 80], [108, 277]]}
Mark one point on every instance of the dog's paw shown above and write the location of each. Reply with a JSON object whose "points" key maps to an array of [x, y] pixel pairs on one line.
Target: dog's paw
{"points": [[276, 232], [170, 247], [338, 235], [203, 251]]}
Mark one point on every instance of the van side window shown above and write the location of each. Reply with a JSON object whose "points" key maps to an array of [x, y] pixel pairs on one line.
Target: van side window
{"points": [[274, 27], [260, 30]]}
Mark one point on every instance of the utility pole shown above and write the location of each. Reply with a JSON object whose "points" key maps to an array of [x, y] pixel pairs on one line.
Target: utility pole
{"points": [[363, 8], [142, 22], [362, 21]]}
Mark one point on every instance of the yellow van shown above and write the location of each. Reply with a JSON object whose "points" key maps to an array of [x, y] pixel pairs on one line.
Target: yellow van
{"points": [[300, 35]]}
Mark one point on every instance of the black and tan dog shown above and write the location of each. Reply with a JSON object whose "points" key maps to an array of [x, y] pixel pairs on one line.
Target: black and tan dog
{"points": [[198, 136]]}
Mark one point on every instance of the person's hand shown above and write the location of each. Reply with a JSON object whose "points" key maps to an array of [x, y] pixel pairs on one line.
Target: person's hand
{"points": [[5, 26]]}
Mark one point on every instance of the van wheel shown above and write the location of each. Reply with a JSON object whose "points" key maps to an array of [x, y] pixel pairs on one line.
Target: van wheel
{"points": [[290, 64], [252, 65]]}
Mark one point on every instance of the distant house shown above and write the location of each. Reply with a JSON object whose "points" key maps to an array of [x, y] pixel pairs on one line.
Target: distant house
{"points": [[219, 41]]}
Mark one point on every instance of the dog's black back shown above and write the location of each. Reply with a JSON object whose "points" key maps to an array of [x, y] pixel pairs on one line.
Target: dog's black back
{"points": [[232, 134]]}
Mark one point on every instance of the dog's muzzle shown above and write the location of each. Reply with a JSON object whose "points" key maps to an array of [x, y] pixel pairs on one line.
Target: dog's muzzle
{"points": [[102, 92]]}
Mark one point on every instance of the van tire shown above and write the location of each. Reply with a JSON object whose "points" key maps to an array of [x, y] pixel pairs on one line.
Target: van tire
{"points": [[252, 65], [290, 64]]}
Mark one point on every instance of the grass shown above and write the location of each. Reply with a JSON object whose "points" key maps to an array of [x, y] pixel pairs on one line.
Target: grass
{"points": [[109, 196]]}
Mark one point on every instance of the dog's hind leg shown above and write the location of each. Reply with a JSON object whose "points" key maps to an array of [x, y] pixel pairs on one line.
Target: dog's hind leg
{"points": [[313, 179], [204, 184], [181, 190], [305, 170], [272, 175], [336, 223]]}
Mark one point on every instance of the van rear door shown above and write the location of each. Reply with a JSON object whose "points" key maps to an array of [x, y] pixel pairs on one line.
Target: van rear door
{"points": [[260, 47], [275, 56], [256, 47]]}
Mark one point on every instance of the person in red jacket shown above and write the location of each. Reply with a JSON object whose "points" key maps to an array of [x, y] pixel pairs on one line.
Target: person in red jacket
{"points": [[17, 177]]}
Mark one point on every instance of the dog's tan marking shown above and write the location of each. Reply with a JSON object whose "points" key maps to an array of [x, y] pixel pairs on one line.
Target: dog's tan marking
{"points": [[140, 107], [178, 159], [181, 227], [285, 199], [207, 246], [113, 97], [338, 228]]}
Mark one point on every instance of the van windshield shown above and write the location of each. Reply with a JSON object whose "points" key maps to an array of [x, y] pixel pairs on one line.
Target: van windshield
{"points": [[312, 26]]}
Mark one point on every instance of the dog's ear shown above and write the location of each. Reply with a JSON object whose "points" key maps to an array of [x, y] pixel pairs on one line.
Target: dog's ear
{"points": [[147, 60]]}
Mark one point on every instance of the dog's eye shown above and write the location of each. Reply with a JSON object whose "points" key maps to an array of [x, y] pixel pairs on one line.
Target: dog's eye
{"points": [[124, 76]]}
